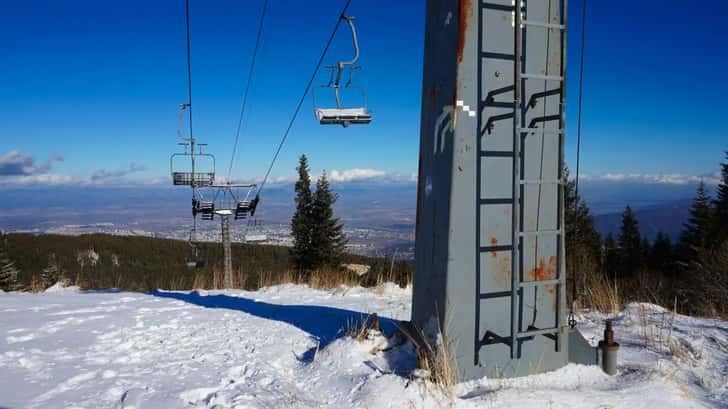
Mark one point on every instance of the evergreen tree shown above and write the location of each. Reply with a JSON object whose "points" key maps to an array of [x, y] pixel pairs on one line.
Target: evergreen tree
{"points": [[721, 203], [583, 242], [327, 236], [51, 273], [696, 230], [645, 250], [8, 271], [661, 254], [301, 223], [611, 256], [629, 241]]}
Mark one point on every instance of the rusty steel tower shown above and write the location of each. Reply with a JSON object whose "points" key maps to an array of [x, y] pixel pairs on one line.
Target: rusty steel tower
{"points": [[489, 263]]}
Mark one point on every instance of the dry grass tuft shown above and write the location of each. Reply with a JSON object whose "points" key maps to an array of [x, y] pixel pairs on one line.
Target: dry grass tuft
{"points": [[434, 360], [601, 293], [37, 285], [328, 278], [357, 329]]}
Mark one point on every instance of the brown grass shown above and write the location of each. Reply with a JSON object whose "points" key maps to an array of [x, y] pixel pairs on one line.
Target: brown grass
{"points": [[37, 285], [601, 293], [435, 360], [329, 278], [357, 329]]}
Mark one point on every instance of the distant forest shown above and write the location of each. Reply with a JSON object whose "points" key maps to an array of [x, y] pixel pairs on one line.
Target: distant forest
{"points": [[100, 261]]}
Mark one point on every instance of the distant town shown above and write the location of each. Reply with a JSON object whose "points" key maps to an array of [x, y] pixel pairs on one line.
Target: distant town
{"points": [[364, 241]]}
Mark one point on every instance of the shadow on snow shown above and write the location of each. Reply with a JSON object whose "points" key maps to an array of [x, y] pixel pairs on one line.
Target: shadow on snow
{"points": [[323, 324]]}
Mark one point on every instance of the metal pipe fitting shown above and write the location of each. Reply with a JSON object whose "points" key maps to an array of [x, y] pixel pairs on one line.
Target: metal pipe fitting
{"points": [[609, 350]]}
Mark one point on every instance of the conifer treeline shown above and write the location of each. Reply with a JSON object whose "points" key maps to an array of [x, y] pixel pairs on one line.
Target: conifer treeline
{"points": [[693, 271]]}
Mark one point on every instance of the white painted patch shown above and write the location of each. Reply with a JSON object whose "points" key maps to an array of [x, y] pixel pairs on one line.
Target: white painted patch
{"points": [[465, 108]]}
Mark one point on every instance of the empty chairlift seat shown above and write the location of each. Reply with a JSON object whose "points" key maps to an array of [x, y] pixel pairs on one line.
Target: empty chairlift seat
{"points": [[205, 208], [245, 208], [198, 178], [343, 116]]}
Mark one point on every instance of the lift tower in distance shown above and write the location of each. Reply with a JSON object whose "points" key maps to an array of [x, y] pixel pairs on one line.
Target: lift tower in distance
{"points": [[489, 260]]}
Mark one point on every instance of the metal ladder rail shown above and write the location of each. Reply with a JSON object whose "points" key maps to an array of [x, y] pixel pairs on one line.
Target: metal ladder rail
{"points": [[489, 101], [522, 131]]}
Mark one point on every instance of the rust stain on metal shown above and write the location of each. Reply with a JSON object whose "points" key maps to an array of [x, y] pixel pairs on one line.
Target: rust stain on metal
{"points": [[544, 270], [493, 242], [463, 14], [501, 268]]}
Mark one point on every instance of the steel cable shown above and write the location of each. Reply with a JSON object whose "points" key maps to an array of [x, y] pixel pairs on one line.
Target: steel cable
{"points": [[303, 97]]}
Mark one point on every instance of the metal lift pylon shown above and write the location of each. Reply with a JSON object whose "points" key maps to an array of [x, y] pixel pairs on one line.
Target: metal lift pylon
{"points": [[489, 254]]}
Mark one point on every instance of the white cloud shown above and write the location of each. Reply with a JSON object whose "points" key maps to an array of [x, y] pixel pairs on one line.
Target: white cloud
{"points": [[47, 179], [355, 174], [102, 175], [16, 163], [358, 175], [653, 178]]}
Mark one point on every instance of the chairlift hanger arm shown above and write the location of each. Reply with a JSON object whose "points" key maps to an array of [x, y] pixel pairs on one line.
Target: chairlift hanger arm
{"points": [[350, 21]]}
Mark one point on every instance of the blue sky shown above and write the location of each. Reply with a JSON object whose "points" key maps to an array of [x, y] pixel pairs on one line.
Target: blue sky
{"points": [[99, 83]]}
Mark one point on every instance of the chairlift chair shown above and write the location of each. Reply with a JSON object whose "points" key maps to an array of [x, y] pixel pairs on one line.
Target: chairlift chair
{"points": [[257, 235], [245, 208], [194, 177], [206, 209], [194, 261], [341, 115]]}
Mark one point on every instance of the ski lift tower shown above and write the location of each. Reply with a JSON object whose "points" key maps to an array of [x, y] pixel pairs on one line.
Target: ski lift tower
{"points": [[227, 201], [489, 261]]}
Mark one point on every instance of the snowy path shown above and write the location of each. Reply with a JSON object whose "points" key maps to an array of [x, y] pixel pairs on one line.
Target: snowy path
{"points": [[278, 348]]}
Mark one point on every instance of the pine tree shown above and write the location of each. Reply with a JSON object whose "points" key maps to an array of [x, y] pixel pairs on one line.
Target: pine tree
{"points": [[583, 242], [721, 203], [661, 254], [301, 223], [327, 236], [51, 273], [611, 256], [8, 271], [696, 231], [629, 241]]}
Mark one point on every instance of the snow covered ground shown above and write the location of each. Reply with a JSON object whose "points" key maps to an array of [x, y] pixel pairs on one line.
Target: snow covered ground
{"points": [[281, 347]]}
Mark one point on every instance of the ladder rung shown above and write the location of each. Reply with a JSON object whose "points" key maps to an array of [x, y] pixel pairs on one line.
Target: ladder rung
{"points": [[498, 56], [541, 24], [541, 182], [501, 7], [539, 283], [499, 294], [531, 333], [491, 338], [542, 130], [497, 201], [539, 233], [542, 77], [497, 154], [484, 249], [500, 104]]}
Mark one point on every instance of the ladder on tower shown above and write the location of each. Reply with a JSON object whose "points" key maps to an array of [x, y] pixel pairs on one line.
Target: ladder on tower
{"points": [[508, 102]]}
